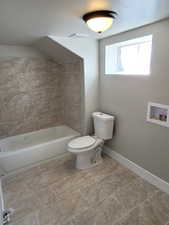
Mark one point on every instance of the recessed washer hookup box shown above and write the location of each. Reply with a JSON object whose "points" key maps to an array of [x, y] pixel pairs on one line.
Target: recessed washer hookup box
{"points": [[158, 113]]}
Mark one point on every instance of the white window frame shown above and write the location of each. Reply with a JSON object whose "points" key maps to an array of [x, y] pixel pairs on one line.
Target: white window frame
{"points": [[119, 45]]}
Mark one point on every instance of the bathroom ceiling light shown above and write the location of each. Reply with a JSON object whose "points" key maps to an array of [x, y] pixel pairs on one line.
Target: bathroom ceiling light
{"points": [[99, 21]]}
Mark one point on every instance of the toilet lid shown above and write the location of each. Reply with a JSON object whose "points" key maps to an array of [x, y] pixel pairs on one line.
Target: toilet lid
{"points": [[82, 142]]}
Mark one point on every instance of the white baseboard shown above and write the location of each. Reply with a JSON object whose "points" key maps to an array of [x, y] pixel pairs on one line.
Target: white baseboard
{"points": [[145, 174]]}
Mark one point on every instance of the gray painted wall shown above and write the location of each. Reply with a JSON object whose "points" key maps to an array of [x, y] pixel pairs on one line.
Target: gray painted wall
{"points": [[127, 96]]}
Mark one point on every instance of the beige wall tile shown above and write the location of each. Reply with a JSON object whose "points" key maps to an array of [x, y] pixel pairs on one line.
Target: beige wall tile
{"points": [[37, 93]]}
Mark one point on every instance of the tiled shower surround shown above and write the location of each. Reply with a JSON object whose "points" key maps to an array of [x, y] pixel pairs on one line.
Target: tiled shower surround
{"points": [[37, 93]]}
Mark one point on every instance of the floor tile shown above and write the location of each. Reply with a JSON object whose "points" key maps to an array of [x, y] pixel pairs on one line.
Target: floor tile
{"points": [[135, 218], [29, 219], [156, 209], [109, 211], [101, 190], [135, 193], [56, 193], [103, 214], [71, 204]]}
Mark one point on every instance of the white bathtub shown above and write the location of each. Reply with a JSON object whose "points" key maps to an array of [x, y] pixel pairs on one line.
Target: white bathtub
{"points": [[27, 149]]}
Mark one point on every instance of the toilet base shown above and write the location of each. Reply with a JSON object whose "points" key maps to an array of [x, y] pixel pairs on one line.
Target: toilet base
{"points": [[89, 159]]}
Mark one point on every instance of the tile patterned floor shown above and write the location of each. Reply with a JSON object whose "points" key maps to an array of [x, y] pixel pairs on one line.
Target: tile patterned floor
{"points": [[57, 194]]}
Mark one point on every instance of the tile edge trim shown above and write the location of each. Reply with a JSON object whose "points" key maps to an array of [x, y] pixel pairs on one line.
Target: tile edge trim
{"points": [[143, 173]]}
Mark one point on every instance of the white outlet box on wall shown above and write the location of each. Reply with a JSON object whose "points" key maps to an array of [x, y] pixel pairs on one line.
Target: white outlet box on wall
{"points": [[158, 113]]}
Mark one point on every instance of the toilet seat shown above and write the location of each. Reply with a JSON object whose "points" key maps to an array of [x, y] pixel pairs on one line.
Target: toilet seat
{"points": [[82, 142]]}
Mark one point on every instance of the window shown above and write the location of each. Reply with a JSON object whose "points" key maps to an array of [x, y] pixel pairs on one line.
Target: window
{"points": [[131, 57]]}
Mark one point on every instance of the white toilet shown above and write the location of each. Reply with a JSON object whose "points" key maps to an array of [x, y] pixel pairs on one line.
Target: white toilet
{"points": [[88, 148]]}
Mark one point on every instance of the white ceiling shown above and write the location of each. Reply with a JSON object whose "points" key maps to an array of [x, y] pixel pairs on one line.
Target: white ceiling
{"points": [[25, 21]]}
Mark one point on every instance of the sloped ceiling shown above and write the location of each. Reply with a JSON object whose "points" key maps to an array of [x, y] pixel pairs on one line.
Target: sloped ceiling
{"points": [[54, 49], [25, 21]]}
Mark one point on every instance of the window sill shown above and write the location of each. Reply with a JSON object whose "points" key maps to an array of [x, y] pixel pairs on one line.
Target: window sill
{"points": [[127, 74]]}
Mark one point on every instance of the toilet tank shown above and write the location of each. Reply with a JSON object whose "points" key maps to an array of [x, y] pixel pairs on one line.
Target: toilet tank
{"points": [[103, 125]]}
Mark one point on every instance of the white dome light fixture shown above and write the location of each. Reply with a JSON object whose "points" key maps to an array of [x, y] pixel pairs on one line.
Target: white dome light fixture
{"points": [[99, 21]]}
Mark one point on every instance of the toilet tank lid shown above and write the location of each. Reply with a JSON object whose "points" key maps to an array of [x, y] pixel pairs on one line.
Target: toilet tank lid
{"points": [[103, 116]]}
